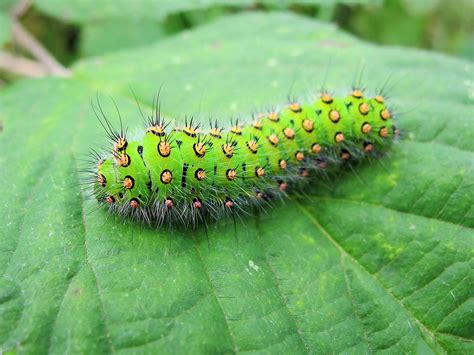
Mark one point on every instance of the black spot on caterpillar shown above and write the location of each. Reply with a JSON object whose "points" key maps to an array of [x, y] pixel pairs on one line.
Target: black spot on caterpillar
{"points": [[188, 174]]}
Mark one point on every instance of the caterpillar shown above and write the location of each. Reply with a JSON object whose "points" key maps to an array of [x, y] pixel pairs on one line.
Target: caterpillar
{"points": [[189, 174]]}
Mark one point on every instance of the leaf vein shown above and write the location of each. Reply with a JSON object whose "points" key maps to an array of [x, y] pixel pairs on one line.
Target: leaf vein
{"points": [[373, 277]]}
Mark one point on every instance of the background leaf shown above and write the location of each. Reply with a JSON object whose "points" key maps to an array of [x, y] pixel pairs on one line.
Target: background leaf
{"points": [[86, 10], [376, 260], [113, 35], [121, 24], [4, 28]]}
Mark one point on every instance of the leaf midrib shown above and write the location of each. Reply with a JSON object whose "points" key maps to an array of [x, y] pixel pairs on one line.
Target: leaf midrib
{"points": [[342, 251]]}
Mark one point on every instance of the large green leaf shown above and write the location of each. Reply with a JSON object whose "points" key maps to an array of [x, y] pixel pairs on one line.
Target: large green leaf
{"points": [[377, 260]]}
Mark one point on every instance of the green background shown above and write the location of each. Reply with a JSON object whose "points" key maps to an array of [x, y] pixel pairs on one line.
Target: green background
{"points": [[375, 260]]}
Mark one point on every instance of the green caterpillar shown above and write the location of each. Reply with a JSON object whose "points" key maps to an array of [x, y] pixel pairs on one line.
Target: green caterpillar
{"points": [[187, 174]]}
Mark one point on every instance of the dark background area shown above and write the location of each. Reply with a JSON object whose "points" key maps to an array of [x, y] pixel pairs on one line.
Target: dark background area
{"points": [[69, 34]]}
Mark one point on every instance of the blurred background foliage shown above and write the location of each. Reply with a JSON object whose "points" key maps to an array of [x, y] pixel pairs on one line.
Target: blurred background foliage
{"points": [[71, 30]]}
